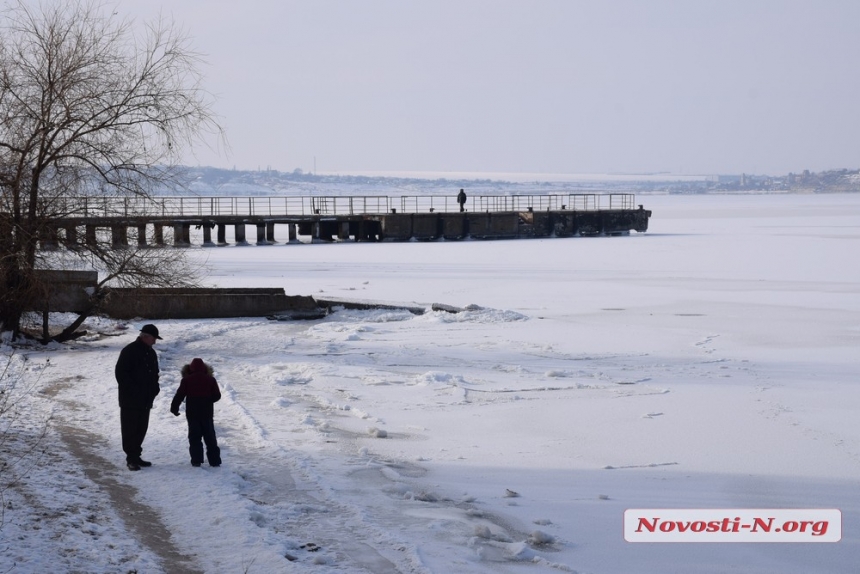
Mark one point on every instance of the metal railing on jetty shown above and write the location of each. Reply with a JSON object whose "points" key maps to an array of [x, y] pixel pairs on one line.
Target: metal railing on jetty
{"points": [[334, 205]]}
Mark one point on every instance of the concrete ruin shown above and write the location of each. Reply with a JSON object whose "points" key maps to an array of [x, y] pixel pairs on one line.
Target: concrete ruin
{"points": [[69, 292]]}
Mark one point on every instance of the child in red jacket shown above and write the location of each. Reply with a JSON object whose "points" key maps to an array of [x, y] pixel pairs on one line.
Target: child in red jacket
{"points": [[200, 391]]}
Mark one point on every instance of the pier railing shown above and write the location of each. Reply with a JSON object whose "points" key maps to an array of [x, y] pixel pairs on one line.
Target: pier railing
{"points": [[79, 207]]}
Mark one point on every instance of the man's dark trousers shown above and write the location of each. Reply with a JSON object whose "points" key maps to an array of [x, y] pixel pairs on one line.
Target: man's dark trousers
{"points": [[133, 424]]}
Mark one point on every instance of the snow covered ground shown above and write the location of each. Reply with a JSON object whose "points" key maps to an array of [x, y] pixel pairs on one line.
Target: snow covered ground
{"points": [[709, 363]]}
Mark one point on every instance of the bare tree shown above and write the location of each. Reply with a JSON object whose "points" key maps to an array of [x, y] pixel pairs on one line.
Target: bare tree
{"points": [[88, 107]]}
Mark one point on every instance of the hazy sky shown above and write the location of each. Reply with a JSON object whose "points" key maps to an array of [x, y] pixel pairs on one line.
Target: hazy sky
{"points": [[552, 86]]}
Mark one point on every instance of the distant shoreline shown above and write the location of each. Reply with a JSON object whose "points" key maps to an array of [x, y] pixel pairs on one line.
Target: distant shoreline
{"points": [[523, 177]]}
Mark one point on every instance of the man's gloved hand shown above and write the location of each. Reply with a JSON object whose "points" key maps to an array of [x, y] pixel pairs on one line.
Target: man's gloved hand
{"points": [[175, 413]]}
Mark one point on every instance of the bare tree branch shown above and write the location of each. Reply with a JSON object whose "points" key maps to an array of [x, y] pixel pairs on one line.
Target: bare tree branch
{"points": [[89, 108]]}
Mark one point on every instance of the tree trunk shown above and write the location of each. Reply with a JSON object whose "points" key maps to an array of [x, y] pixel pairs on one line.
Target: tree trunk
{"points": [[13, 301], [71, 332]]}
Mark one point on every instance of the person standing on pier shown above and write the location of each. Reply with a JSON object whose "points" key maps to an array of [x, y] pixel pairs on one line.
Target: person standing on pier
{"points": [[137, 378], [461, 199]]}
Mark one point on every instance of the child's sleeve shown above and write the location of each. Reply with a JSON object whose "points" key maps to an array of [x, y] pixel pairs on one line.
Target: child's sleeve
{"points": [[177, 399]]}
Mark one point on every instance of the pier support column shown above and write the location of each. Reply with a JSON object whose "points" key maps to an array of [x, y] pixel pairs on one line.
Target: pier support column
{"points": [[49, 239], [158, 234], [141, 235], [292, 236], [71, 236], [240, 234], [364, 231], [270, 233], [181, 235], [343, 230], [118, 236], [261, 234], [207, 236], [90, 235], [324, 231], [222, 234]]}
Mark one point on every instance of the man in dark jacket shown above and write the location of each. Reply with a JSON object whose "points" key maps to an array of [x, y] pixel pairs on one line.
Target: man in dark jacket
{"points": [[200, 391], [461, 199], [137, 377]]}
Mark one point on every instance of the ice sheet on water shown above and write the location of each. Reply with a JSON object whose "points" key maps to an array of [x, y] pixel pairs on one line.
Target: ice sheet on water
{"points": [[342, 315], [439, 378], [476, 314]]}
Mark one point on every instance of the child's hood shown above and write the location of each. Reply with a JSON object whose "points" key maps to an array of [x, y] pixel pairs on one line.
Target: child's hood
{"points": [[196, 366]]}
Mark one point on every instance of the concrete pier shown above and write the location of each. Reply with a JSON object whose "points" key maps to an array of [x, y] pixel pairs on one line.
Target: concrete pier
{"points": [[504, 217]]}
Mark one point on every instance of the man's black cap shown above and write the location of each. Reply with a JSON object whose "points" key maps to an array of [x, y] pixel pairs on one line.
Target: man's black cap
{"points": [[150, 330]]}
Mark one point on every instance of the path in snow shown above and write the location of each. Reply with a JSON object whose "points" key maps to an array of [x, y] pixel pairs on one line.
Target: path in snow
{"points": [[142, 520]]}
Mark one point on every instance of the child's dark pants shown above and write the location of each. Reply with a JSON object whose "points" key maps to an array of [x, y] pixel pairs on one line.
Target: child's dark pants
{"points": [[203, 429]]}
